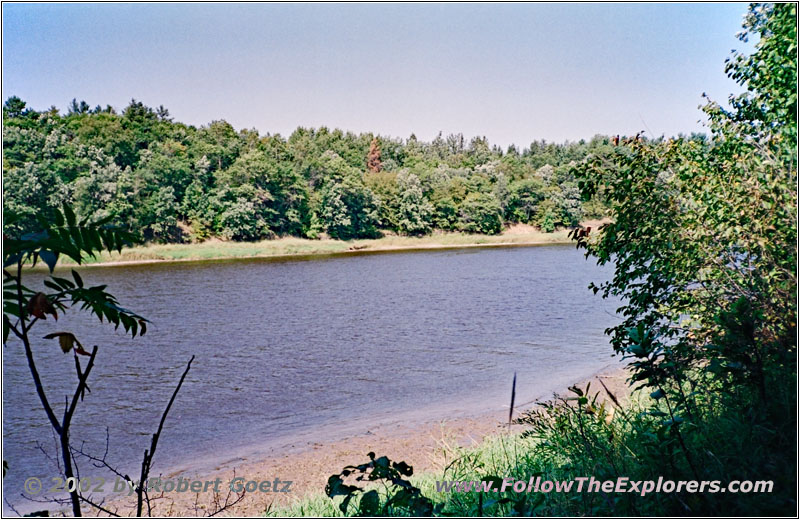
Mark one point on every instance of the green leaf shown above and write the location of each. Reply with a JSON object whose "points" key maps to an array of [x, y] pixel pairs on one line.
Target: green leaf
{"points": [[370, 503], [70, 215], [77, 239], [49, 258], [58, 217], [674, 421], [64, 282], [12, 259], [52, 285]]}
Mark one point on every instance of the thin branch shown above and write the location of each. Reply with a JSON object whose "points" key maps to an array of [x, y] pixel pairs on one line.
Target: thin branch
{"points": [[97, 506], [100, 462], [11, 507], [80, 390], [29, 355], [14, 329], [148, 455]]}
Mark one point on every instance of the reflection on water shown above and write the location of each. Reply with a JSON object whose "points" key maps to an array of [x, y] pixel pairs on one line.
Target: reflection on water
{"points": [[310, 347]]}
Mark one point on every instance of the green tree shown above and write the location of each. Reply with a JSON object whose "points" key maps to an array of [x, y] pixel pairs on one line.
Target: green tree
{"points": [[547, 216], [106, 191], [14, 107], [158, 214], [282, 191], [524, 198], [116, 164], [218, 143], [385, 186], [245, 212], [703, 238], [481, 213], [349, 210], [414, 212]]}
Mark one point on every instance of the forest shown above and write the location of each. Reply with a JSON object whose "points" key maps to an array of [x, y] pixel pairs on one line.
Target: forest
{"points": [[173, 182], [700, 230]]}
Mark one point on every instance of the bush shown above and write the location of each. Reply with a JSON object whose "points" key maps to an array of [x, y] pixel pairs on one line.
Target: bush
{"points": [[524, 199], [481, 213], [415, 212], [349, 210]]}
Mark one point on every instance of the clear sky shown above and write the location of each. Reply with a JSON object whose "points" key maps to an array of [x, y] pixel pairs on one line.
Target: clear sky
{"points": [[512, 72]]}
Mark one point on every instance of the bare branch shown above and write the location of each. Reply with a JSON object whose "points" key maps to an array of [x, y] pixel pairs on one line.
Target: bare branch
{"points": [[97, 506], [148, 455]]}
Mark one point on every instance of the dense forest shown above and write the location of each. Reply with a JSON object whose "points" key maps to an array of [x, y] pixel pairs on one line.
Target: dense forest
{"points": [[174, 183]]}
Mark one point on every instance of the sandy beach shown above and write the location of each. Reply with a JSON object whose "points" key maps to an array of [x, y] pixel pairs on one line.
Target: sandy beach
{"points": [[308, 465]]}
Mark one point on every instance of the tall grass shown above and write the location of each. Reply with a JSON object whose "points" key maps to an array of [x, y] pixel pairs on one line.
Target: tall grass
{"points": [[217, 249], [589, 434]]}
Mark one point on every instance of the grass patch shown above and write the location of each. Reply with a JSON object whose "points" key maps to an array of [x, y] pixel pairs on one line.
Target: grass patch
{"points": [[571, 438], [288, 246]]}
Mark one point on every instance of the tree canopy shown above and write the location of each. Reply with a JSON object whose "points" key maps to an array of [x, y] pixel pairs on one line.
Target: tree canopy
{"points": [[173, 182]]}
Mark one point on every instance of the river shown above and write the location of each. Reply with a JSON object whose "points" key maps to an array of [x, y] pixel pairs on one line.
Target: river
{"points": [[314, 347]]}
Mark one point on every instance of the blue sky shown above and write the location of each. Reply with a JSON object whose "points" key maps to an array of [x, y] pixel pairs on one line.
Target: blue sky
{"points": [[512, 72]]}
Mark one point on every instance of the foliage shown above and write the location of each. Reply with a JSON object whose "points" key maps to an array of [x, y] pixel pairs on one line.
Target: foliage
{"points": [[75, 239], [414, 211], [593, 433], [23, 307], [245, 211], [400, 497], [523, 199], [384, 185], [65, 235], [481, 213], [703, 238], [172, 182], [349, 210]]}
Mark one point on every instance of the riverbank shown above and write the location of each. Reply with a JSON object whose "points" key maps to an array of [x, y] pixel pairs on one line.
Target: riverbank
{"points": [[428, 447], [517, 235]]}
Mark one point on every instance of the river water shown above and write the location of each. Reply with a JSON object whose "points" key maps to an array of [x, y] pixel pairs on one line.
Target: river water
{"points": [[315, 347]]}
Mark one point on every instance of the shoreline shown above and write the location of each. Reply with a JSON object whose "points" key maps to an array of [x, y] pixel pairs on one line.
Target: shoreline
{"points": [[519, 235], [321, 254], [423, 444]]}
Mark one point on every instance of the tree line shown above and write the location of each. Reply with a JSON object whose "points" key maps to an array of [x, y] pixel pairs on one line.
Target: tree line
{"points": [[174, 182]]}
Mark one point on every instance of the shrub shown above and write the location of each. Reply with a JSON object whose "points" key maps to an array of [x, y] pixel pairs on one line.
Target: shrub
{"points": [[481, 213]]}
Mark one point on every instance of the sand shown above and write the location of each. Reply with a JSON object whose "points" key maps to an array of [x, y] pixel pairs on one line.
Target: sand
{"points": [[308, 466]]}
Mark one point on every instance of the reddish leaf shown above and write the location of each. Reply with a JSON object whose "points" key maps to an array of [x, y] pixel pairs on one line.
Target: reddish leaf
{"points": [[40, 306], [79, 350]]}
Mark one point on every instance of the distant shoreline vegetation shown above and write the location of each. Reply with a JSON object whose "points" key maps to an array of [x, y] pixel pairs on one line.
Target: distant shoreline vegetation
{"points": [[296, 247], [175, 183]]}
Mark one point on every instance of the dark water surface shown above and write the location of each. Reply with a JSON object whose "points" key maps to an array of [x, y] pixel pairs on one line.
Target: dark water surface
{"points": [[312, 347]]}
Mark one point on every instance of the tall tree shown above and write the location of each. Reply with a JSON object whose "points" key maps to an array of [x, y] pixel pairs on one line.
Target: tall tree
{"points": [[415, 212], [374, 156]]}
